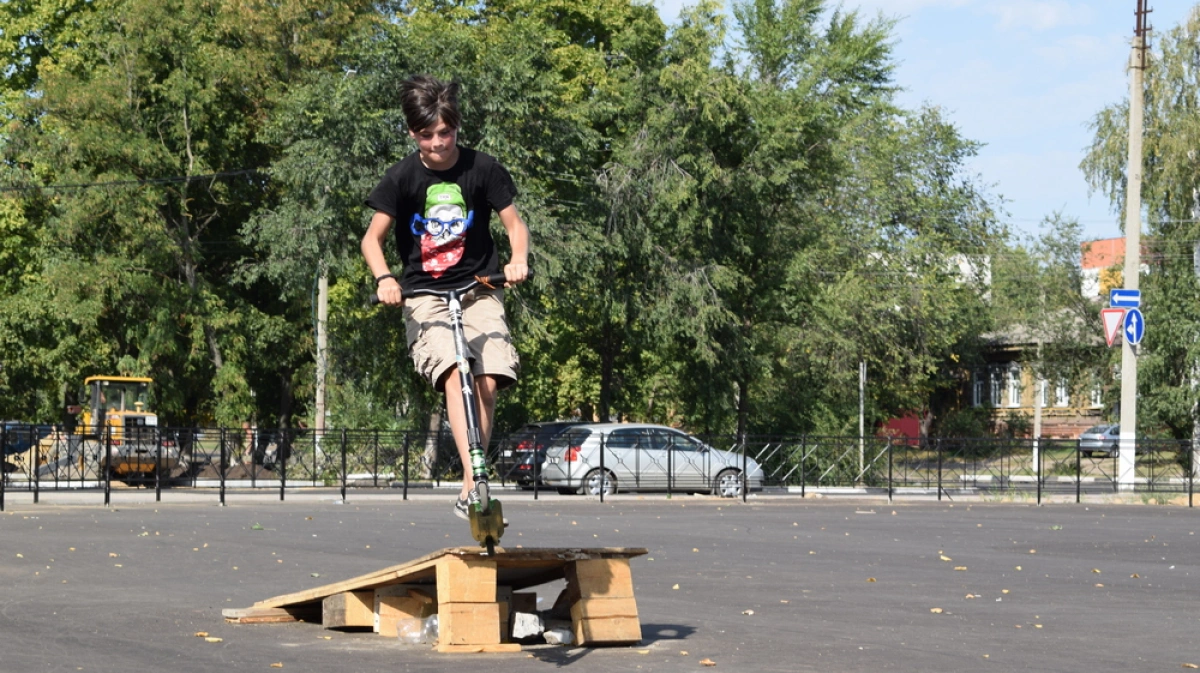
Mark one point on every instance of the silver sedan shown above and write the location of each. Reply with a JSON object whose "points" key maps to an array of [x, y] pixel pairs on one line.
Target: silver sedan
{"points": [[643, 457]]}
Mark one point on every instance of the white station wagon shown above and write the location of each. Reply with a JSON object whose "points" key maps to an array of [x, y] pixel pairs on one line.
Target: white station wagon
{"points": [[641, 457]]}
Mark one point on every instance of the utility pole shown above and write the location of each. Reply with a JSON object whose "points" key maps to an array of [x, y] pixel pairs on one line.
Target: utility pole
{"points": [[1133, 247], [322, 347]]}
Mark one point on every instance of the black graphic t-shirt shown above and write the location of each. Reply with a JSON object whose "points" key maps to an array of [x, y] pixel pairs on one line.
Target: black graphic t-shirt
{"points": [[443, 218]]}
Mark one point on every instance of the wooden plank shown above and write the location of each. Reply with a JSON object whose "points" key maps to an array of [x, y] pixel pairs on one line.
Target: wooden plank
{"points": [[609, 631], [400, 601], [603, 608], [294, 613], [349, 610], [466, 580], [601, 578], [518, 568], [472, 649], [469, 623]]}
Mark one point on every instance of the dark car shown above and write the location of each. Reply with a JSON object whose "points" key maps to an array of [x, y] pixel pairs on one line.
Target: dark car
{"points": [[20, 437], [521, 453]]}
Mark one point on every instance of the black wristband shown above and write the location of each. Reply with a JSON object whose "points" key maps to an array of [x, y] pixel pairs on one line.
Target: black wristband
{"points": [[384, 277]]}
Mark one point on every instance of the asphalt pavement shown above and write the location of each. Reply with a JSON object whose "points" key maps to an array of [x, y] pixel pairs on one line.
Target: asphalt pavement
{"points": [[777, 584]]}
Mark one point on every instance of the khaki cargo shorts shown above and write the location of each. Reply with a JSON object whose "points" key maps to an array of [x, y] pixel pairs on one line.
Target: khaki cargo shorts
{"points": [[431, 342]]}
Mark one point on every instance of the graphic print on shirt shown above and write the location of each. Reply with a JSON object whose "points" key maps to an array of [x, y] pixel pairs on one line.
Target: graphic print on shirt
{"points": [[442, 229]]}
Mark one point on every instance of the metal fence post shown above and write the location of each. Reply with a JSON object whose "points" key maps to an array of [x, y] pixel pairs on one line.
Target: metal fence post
{"points": [[745, 468], [375, 461], [938, 447], [670, 470], [106, 466], [604, 479], [3, 463], [803, 460], [283, 452], [1078, 475], [406, 448], [158, 466], [1191, 470], [343, 464], [34, 471], [891, 487], [221, 467], [1037, 474]]}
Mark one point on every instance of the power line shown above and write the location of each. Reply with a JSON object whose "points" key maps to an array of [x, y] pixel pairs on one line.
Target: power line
{"points": [[146, 181]]}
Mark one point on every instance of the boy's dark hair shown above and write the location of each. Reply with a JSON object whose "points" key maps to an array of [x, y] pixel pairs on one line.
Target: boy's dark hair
{"points": [[426, 99]]}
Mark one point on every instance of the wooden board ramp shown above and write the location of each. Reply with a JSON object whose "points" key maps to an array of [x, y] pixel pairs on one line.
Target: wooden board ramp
{"points": [[474, 595]]}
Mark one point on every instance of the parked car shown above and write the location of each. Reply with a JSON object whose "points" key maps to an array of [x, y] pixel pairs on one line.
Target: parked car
{"points": [[1104, 438], [521, 452], [642, 457]]}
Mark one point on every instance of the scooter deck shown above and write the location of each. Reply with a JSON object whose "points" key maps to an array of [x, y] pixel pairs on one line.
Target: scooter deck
{"points": [[490, 526]]}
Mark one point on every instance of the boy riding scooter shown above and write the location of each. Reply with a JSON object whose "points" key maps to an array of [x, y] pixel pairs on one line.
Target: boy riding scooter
{"points": [[440, 199]]}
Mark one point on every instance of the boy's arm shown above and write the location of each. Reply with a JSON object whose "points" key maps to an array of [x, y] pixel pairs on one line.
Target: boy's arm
{"points": [[388, 289], [517, 269]]}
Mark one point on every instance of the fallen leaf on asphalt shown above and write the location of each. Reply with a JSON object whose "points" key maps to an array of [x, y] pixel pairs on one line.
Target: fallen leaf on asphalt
{"points": [[639, 652], [110, 555], [1190, 666], [783, 601], [695, 549], [1037, 626], [870, 579], [683, 653], [1099, 585], [675, 587], [1096, 570], [707, 662], [1135, 576], [936, 611], [1004, 591], [20, 556], [960, 567], [202, 634], [1032, 551], [1018, 567], [945, 558], [213, 640], [278, 664], [747, 612]]}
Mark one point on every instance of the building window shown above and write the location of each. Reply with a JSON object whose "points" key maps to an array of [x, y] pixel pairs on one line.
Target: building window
{"points": [[1062, 393], [1096, 395], [977, 387], [1014, 386], [1042, 390], [996, 375]]}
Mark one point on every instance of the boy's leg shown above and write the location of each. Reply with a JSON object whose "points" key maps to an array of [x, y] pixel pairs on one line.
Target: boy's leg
{"points": [[485, 395]]}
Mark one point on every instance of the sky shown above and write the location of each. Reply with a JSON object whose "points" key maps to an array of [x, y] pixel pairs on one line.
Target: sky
{"points": [[1024, 78]]}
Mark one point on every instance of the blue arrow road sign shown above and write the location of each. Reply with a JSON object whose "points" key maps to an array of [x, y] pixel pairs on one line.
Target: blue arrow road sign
{"points": [[1135, 326], [1125, 298]]}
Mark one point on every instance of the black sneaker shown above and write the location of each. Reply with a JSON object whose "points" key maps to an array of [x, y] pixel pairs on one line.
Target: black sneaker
{"points": [[461, 508]]}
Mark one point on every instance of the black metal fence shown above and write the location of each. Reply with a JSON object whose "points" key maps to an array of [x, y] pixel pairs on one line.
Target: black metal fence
{"points": [[219, 459]]}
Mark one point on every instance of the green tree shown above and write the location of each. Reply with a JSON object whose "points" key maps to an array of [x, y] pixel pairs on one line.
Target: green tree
{"points": [[141, 126]]}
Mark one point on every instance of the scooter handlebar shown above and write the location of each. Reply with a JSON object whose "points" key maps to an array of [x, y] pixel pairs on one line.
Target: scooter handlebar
{"points": [[494, 280]]}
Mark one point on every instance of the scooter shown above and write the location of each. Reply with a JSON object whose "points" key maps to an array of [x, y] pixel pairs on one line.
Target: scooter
{"points": [[486, 514]]}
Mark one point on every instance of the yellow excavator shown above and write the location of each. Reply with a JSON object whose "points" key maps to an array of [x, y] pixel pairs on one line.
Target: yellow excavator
{"points": [[115, 413]]}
